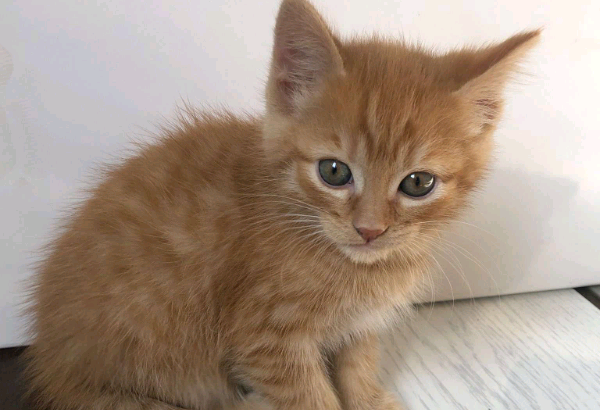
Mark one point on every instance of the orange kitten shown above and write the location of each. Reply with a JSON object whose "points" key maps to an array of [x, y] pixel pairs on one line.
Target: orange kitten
{"points": [[250, 262]]}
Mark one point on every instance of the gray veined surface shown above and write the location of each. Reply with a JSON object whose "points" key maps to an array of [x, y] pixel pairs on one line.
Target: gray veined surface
{"points": [[532, 351]]}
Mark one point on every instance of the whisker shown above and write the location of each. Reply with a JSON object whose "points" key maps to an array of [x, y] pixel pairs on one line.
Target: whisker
{"points": [[276, 231], [458, 222], [473, 259], [270, 221], [478, 246], [441, 270], [287, 198], [430, 279], [458, 268]]}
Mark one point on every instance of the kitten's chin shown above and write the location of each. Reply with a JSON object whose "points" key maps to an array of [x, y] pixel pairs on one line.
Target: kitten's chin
{"points": [[366, 253]]}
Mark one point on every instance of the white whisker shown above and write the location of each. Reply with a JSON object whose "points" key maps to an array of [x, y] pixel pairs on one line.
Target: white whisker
{"points": [[473, 259]]}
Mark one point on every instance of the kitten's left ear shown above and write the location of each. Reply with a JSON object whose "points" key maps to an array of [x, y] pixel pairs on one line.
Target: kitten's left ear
{"points": [[305, 54], [483, 76]]}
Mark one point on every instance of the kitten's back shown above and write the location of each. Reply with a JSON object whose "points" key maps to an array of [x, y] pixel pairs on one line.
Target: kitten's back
{"points": [[120, 280]]}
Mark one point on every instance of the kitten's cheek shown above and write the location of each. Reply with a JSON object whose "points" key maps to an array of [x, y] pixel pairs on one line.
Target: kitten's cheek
{"points": [[332, 231], [341, 194], [328, 228], [438, 193]]}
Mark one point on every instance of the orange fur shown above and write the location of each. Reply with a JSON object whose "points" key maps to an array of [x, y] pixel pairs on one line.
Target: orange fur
{"points": [[216, 260]]}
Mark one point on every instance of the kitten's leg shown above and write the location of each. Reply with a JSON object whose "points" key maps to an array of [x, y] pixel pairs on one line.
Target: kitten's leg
{"points": [[102, 401], [290, 375], [355, 374], [252, 402], [131, 403]]}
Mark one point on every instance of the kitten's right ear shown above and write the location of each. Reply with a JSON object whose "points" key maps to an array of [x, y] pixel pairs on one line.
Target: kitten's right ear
{"points": [[483, 74], [304, 56]]}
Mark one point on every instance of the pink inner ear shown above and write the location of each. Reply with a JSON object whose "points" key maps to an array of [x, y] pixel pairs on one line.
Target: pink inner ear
{"points": [[489, 108], [304, 53], [294, 73], [294, 65], [287, 87], [284, 55]]}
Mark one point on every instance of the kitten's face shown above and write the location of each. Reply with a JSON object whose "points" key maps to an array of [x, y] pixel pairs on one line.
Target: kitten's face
{"points": [[386, 166], [386, 141]]}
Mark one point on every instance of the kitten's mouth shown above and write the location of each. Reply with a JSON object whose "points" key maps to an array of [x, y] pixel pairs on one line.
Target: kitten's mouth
{"points": [[365, 247], [366, 252], [361, 246]]}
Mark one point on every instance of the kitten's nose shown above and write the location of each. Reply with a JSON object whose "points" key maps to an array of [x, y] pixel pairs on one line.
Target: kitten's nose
{"points": [[369, 234]]}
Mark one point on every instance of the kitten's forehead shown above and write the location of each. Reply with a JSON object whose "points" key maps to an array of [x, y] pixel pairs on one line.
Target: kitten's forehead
{"points": [[391, 114], [391, 131], [384, 133]]}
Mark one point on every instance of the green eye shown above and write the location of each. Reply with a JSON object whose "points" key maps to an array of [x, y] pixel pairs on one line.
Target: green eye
{"points": [[417, 184], [334, 172]]}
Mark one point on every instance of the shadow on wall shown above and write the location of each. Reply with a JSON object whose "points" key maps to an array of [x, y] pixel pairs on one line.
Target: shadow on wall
{"points": [[7, 150], [502, 234], [18, 149]]}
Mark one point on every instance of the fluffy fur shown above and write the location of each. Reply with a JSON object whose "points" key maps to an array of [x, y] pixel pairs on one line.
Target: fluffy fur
{"points": [[215, 270]]}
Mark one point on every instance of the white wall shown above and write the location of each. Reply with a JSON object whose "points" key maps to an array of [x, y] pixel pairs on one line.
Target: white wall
{"points": [[87, 76]]}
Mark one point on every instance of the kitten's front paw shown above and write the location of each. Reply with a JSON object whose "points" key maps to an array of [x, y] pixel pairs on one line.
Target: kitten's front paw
{"points": [[383, 401], [389, 402]]}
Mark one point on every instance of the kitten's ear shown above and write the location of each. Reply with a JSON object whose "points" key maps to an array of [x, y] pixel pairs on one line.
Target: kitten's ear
{"points": [[304, 55], [483, 75]]}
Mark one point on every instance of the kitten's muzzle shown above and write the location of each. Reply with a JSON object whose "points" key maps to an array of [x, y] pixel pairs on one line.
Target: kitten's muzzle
{"points": [[370, 235]]}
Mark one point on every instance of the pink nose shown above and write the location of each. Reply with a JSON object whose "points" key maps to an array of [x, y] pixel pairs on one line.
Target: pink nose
{"points": [[369, 234]]}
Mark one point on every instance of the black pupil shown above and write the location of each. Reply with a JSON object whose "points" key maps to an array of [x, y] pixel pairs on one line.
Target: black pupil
{"points": [[334, 172], [417, 184]]}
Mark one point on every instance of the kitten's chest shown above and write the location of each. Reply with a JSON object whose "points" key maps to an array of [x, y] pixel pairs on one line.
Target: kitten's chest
{"points": [[367, 321], [373, 321], [379, 319], [376, 314]]}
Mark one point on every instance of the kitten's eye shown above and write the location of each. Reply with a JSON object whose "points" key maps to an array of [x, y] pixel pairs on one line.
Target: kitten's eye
{"points": [[417, 184], [334, 172]]}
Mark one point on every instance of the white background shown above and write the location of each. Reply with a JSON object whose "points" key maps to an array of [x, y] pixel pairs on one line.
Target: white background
{"points": [[88, 76]]}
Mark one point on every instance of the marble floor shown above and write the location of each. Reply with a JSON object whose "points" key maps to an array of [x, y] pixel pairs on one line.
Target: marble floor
{"points": [[530, 351]]}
